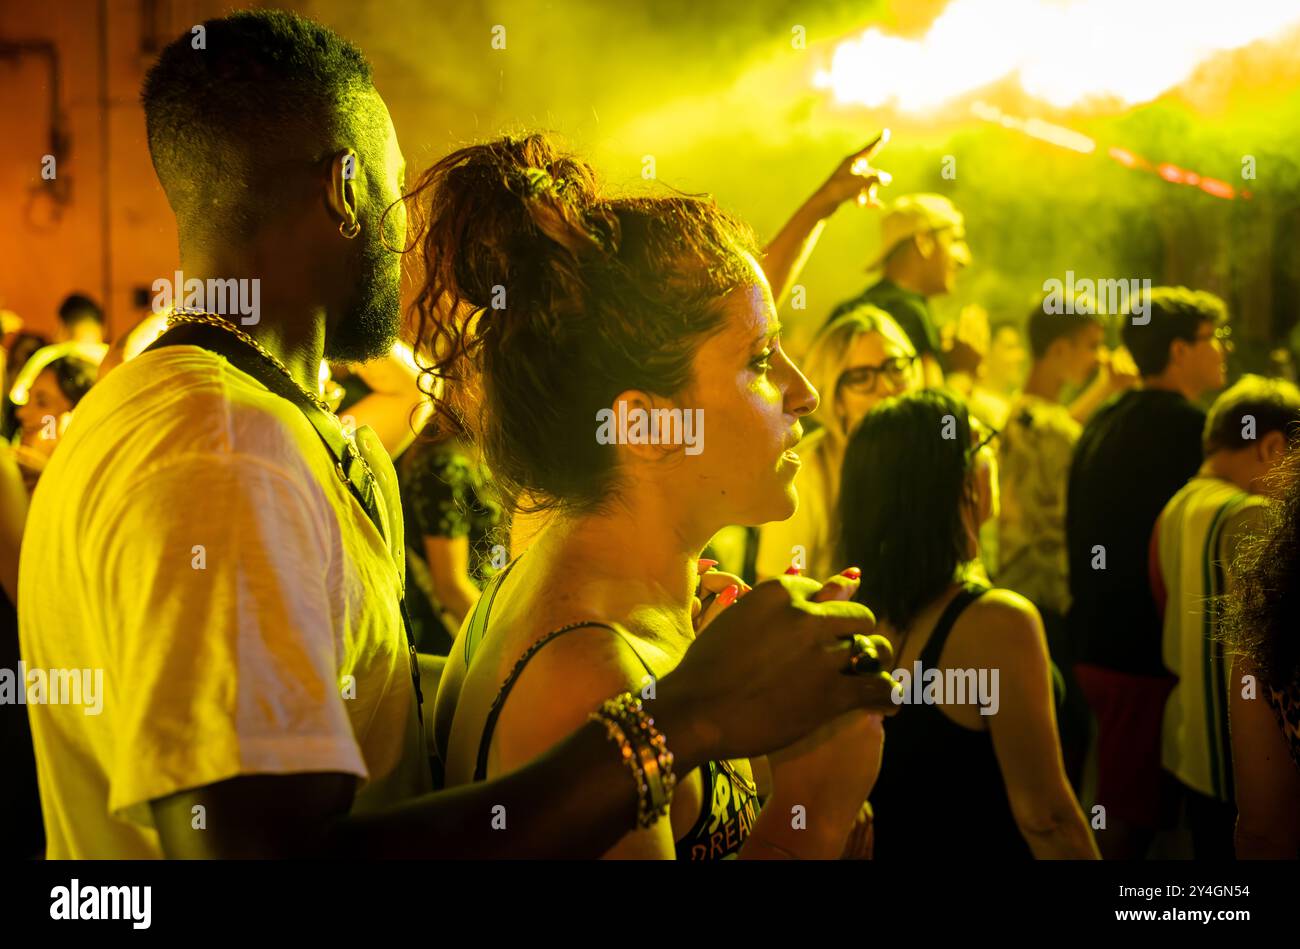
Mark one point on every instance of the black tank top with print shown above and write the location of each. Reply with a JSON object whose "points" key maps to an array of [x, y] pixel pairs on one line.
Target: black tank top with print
{"points": [[731, 802]]}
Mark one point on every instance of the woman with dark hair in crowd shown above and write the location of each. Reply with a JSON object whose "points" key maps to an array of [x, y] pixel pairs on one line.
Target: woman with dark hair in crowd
{"points": [[47, 404], [19, 348], [562, 319], [973, 768], [1261, 622], [46, 392]]}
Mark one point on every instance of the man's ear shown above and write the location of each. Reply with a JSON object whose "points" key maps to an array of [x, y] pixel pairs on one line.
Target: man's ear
{"points": [[925, 243], [1271, 447], [1177, 351], [341, 195]]}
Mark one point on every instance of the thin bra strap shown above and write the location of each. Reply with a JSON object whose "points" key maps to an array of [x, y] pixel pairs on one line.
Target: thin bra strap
{"points": [[489, 726], [933, 650]]}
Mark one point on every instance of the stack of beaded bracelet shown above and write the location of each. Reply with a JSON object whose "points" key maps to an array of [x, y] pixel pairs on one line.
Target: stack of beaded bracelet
{"points": [[644, 750]]}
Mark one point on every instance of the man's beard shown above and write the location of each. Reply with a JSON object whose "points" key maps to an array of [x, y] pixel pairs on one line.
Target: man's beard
{"points": [[368, 327]]}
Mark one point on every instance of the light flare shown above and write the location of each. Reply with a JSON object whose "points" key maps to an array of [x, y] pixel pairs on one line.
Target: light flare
{"points": [[1063, 52]]}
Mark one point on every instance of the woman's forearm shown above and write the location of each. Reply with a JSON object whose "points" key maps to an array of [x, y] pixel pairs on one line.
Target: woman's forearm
{"points": [[810, 829], [1065, 837], [576, 801], [456, 598], [1264, 845]]}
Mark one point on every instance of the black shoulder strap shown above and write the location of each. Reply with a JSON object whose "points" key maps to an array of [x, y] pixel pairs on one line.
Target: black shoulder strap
{"points": [[348, 462], [243, 357], [933, 650], [478, 617], [494, 713]]}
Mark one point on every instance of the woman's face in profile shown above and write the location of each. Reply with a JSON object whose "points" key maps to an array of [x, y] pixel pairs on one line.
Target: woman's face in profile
{"points": [[752, 398]]}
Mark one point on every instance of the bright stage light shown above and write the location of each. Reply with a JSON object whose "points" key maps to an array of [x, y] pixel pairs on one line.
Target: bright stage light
{"points": [[1063, 53]]}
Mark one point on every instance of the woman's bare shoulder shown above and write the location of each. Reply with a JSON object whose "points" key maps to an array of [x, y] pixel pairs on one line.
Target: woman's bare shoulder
{"points": [[1005, 623], [557, 679]]}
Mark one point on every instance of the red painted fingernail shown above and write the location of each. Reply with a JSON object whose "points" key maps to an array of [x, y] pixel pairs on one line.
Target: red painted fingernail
{"points": [[853, 573], [728, 596], [792, 571], [705, 565]]}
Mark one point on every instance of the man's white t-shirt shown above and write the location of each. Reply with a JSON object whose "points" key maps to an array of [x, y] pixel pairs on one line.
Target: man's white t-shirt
{"points": [[192, 539]]}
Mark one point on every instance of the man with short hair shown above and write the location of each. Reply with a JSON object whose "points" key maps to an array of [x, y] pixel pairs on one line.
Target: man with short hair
{"points": [[923, 246], [81, 320], [1193, 548], [1134, 454], [1035, 449]]}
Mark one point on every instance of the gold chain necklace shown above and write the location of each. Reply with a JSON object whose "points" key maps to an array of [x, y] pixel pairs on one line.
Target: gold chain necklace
{"points": [[203, 317]]}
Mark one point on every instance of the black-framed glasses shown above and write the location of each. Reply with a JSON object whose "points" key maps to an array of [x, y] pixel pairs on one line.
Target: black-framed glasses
{"points": [[864, 379]]}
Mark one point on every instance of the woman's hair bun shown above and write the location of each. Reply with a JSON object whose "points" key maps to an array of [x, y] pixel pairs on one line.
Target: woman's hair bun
{"points": [[543, 298], [513, 212]]}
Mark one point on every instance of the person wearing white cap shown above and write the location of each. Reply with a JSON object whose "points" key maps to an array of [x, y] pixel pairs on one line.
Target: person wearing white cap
{"points": [[923, 245]]}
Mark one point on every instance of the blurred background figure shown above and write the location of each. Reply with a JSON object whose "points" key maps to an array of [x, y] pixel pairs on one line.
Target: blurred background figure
{"points": [[383, 393], [1193, 550], [923, 246], [44, 394], [1134, 454], [1037, 445], [1000, 375], [858, 360], [966, 777], [81, 320], [147, 328], [453, 525], [19, 347]]}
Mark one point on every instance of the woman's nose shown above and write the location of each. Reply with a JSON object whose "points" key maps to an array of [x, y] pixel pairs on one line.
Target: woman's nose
{"points": [[800, 396]]}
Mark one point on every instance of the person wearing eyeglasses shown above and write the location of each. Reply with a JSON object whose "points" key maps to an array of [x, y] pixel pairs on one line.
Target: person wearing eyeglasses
{"points": [[923, 247], [972, 768], [1135, 453], [856, 362]]}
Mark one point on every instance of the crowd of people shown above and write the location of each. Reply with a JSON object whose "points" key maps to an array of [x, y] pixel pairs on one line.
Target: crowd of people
{"points": [[991, 590]]}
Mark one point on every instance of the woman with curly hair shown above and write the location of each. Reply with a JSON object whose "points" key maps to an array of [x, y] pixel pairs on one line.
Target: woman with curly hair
{"points": [[1262, 621], [555, 310]]}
